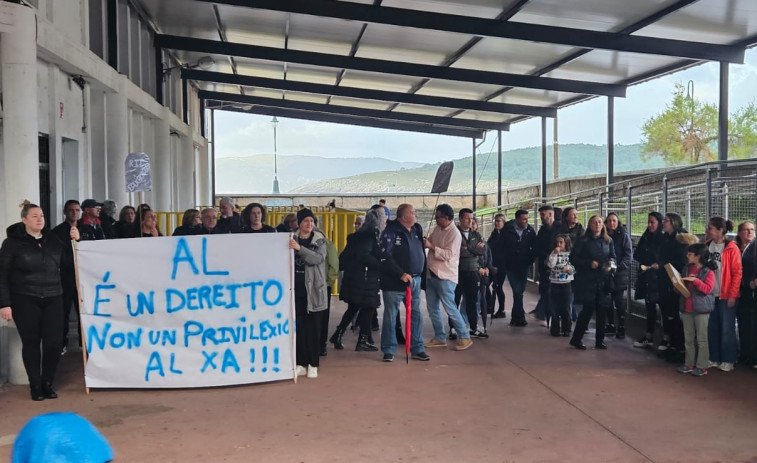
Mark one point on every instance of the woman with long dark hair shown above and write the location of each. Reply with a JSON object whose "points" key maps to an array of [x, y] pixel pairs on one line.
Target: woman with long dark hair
{"points": [[721, 330], [125, 223], [624, 256], [30, 294], [360, 261], [647, 282], [591, 256], [253, 219], [674, 251]]}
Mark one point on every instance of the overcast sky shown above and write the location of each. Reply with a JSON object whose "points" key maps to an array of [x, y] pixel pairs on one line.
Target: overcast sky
{"points": [[245, 134]]}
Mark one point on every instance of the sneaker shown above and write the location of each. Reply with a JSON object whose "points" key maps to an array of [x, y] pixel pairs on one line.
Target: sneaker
{"points": [[463, 344], [301, 371], [500, 314], [479, 334], [312, 371], [699, 372], [664, 345], [685, 369], [725, 366], [452, 334], [435, 343], [714, 365], [518, 323], [388, 358], [643, 342], [543, 323], [421, 356]]}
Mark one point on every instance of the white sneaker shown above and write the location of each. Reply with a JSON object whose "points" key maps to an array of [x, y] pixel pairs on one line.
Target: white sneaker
{"points": [[301, 371], [312, 371], [713, 365], [725, 366], [544, 323]]}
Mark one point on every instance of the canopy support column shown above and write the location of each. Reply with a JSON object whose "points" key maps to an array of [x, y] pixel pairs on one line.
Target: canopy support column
{"points": [[499, 167], [543, 190], [723, 113], [610, 140], [473, 144]]}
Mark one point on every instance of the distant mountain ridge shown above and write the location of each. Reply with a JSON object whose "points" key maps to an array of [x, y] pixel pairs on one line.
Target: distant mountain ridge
{"points": [[520, 166], [254, 174]]}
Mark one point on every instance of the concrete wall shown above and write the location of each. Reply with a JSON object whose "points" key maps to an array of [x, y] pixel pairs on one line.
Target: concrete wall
{"points": [[90, 130]]}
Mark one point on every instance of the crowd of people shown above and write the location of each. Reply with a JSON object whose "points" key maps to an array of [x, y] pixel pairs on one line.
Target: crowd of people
{"points": [[582, 273]]}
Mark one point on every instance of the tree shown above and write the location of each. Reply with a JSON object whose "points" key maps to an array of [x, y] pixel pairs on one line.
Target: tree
{"points": [[686, 132]]}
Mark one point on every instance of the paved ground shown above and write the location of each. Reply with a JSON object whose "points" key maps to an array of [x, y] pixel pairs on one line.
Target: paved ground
{"points": [[520, 396]]}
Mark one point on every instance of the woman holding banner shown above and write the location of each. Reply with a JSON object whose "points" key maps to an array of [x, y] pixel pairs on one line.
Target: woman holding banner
{"points": [[310, 294], [30, 294]]}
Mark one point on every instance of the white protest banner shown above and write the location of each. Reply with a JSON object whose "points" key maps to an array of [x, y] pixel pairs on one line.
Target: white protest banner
{"points": [[188, 311]]}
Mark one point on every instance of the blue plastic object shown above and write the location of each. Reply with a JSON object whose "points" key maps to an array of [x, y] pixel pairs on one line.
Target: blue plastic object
{"points": [[60, 437]]}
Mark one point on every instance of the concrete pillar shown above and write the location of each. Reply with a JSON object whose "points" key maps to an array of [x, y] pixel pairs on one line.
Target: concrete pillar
{"points": [[203, 195], [97, 167], [117, 134], [161, 169], [186, 169], [20, 156]]}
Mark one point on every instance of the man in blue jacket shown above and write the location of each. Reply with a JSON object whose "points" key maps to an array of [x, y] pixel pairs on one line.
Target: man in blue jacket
{"points": [[403, 265]]}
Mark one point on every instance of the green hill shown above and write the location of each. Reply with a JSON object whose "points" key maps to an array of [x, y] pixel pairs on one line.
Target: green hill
{"points": [[520, 166]]}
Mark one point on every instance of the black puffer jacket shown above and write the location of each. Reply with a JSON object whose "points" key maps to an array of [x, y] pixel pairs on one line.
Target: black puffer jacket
{"points": [[361, 262], [28, 266], [648, 253], [589, 281]]}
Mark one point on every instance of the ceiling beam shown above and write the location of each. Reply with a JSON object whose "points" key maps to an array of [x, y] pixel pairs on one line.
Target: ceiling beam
{"points": [[353, 111], [493, 28], [368, 94], [337, 119], [386, 67]]}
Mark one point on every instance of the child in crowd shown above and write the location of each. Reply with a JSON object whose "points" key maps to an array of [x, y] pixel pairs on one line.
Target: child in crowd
{"points": [[695, 310], [560, 278]]}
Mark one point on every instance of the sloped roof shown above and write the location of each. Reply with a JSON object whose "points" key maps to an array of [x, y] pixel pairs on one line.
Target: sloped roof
{"points": [[442, 66]]}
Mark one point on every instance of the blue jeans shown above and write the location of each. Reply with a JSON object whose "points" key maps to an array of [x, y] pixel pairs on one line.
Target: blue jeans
{"points": [[442, 292], [393, 300], [518, 279], [721, 333]]}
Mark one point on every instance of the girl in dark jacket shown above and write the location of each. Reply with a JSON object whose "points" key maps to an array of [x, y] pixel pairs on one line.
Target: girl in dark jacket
{"points": [[360, 261], [590, 257], [647, 282], [624, 256], [30, 294]]}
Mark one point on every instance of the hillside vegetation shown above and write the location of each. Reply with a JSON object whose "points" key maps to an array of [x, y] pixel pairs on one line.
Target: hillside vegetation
{"points": [[520, 166]]}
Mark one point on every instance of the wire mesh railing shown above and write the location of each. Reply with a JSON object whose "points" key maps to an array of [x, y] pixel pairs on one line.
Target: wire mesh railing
{"points": [[725, 188]]}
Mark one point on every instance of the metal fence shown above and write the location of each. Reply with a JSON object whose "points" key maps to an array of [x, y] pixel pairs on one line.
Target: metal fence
{"points": [[727, 189]]}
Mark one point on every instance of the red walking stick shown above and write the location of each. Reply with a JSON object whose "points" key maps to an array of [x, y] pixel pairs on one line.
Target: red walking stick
{"points": [[408, 310]]}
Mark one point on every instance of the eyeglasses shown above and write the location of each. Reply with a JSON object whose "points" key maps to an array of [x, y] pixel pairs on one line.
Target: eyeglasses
{"points": [[748, 229]]}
